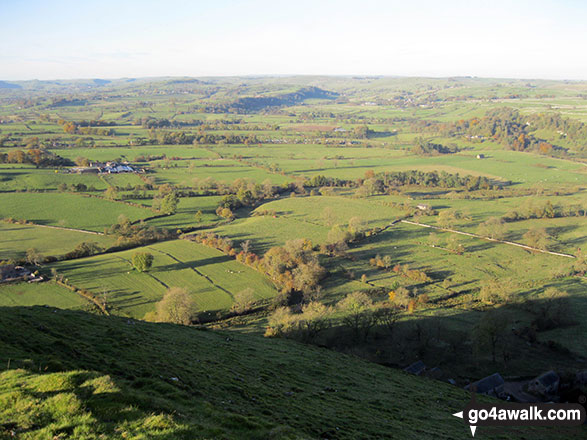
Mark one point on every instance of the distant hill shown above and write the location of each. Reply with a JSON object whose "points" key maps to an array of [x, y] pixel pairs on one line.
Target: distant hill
{"points": [[256, 103], [7, 85], [76, 375]]}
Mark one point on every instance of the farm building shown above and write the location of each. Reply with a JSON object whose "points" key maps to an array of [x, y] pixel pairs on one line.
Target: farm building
{"points": [[480, 156], [109, 168], [491, 385], [544, 384], [10, 272]]}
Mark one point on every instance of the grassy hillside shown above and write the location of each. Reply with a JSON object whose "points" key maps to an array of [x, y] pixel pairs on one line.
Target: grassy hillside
{"points": [[75, 375]]}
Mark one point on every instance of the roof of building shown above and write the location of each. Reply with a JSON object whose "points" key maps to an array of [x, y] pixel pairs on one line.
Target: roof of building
{"points": [[416, 368], [548, 378], [487, 384]]}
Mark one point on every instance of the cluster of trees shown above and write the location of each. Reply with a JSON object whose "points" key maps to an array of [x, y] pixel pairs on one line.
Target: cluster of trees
{"points": [[136, 234], [381, 262], [164, 137], [413, 274], [422, 147], [313, 319], [533, 209], [215, 241], [550, 309], [294, 267], [382, 183], [447, 218], [35, 156], [322, 181], [150, 123], [573, 131], [244, 193], [87, 127], [508, 127], [356, 313], [84, 249]]}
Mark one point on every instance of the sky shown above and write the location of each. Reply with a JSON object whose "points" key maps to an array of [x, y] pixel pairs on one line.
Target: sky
{"points": [[129, 38]]}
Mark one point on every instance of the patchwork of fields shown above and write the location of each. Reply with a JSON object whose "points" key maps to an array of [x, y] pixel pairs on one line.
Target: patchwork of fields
{"points": [[321, 183], [211, 277]]}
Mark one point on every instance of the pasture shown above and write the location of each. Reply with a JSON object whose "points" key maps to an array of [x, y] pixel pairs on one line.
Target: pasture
{"points": [[210, 276], [67, 210], [16, 239], [41, 294]]}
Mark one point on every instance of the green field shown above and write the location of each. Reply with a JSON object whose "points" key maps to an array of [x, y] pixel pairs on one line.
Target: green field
{"points": [[16, 239], [210, 276], [43, 294], [67, 210]]}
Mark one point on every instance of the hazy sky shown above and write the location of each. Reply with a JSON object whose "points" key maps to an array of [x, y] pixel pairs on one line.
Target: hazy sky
{"points": [[128, 38]]}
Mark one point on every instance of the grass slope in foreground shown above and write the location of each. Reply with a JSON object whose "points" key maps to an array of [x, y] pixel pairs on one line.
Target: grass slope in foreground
{"points": [[96, 377]]}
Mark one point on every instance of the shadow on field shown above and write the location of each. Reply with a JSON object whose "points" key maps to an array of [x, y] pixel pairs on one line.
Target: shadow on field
{"points": [[192, 264]]}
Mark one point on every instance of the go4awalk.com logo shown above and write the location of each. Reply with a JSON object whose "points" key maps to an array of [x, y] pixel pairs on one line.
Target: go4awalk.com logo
{"points": [[521, 414]]}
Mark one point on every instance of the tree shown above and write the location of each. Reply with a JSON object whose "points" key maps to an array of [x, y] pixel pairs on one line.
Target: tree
{"points": [[402, 297], [34, 257], [280, 322], [177, 306], [358, 313], [491, 330], [447, 218], [537, 238], [224, 213], [111, 193], [387, 316], [142, 261], [314, 319], [494, 228], [169, 203], [198, 217], [554, 309], [328, 216], [356, 225], [243, 301], [82, 162], [246, 246], [497, 290]]}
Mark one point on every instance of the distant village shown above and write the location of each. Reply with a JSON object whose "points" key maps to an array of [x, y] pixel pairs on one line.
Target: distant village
{"points": [[106, 168]]}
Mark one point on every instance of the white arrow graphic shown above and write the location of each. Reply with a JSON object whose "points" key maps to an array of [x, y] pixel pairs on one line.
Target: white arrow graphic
{"points": [[460, 416]]}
